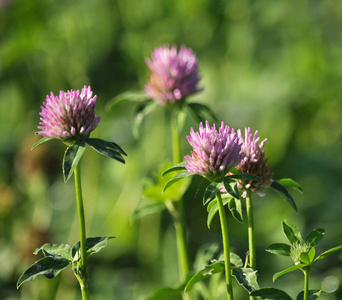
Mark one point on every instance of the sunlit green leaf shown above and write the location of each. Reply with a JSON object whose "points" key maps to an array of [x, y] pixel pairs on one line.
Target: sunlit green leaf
{"points": [[291, 231], [71, 158], [311, 254], [235, 260], [139, 113], [40, 142], [304, 258], [279, 188], [166, 293], [280, 249], [153, 188], [296, 267], [247, 278], [327, 253], [315, 236], [211, 204], [288, 182], [214, 268], [205, 254], [207, 271], [109, 149], [307, 257], [130, 96], [50, 266], [148, 210], [62, 250], [178, 167], [181, 118], [271, 293], [176, 178]]}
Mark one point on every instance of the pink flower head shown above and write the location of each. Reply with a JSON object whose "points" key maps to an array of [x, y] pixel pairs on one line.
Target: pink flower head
{"points": [[174, 74], [214, 152], [70, 115], [254, 162]]}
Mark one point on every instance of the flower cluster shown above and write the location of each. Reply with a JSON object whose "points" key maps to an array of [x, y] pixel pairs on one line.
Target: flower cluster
{"points": [[214, 152], [254, 162], [297, 249], [69, 116], [174, 74]]}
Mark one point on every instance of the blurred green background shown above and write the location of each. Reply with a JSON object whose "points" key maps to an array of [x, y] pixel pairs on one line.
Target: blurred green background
{"points": [[273, 65]]}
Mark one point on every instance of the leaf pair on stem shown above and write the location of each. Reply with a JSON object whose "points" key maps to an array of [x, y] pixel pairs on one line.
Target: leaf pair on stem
{"points": [[58, 257], [75, 151]]}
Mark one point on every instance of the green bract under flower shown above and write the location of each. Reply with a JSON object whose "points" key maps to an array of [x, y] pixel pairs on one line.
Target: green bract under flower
{"points": [[69, 116]]}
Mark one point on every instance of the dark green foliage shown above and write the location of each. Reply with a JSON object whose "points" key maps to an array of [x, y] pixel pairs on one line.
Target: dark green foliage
{"points": [[58, 257], [50, 266], [109, 149], [201, 112], [283, 192], [271, 293]]}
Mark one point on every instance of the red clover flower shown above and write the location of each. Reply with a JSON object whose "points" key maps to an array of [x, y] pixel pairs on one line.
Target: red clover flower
{"points": [[254, 162], [214, 152], [174, 74], [69, 116]]}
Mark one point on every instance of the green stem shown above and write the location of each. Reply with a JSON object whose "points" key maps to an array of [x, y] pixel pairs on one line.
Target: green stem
{"points": [[251, 243], [176, 148], [178, 212], [226, 248], [306, 284], [182, 251], [251, 239], [85, 292], [83, 272], [178, 223]]}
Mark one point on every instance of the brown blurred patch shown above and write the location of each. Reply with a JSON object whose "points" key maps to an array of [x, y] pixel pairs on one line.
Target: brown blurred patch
{"points": [[7, 198], [41, 161], [31, 239]]}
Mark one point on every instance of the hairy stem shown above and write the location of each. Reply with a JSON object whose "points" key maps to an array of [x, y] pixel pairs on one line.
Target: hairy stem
{"points": [[226, 248], [181, 240], [306, 284], [83, 272], [176, 147], [178, 212], [251, 240]]}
